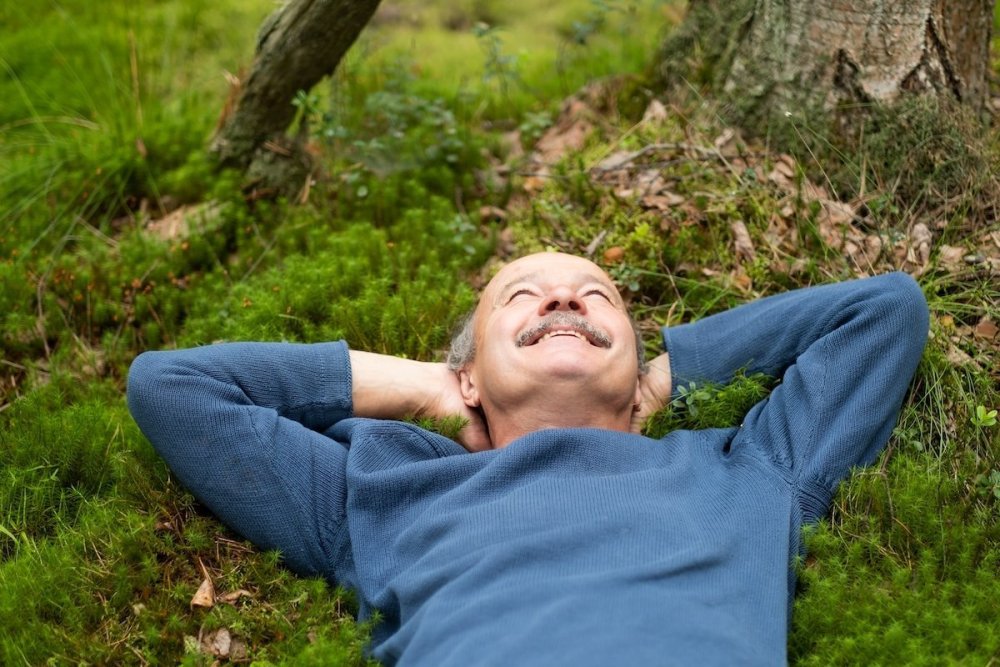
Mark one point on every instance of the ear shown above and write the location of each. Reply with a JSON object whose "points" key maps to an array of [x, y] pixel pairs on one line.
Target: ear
{"points": [[638, 393], [470, 394]]}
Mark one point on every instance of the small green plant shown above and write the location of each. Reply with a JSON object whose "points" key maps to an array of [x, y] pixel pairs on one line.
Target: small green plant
{"points": [[501, 68], [989, 485], [983, 417], [691, 396]]}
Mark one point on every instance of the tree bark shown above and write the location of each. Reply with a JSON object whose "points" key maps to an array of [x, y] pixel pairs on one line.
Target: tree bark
{"points": [[800, 56], [298, 45]]}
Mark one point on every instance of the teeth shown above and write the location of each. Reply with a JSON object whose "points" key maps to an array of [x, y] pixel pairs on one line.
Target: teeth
{"points": [[561, 333]]}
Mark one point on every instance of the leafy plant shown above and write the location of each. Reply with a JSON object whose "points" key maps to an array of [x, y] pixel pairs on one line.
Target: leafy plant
{"points": [[984, 417]]}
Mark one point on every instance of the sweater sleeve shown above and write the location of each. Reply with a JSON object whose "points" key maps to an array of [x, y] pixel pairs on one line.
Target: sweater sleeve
{"points": [[241, 426], [845, 354]]}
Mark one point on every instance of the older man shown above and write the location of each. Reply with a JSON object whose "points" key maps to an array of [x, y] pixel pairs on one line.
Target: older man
{"points": [[558, 535]]}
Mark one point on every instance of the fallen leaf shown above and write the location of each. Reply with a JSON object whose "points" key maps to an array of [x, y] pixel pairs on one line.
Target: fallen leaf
{"points": [[786, 164], [614, 254], [616, 160], [958, 357], [811, 192], [655, 112], [741, 280], [836, 212], [217, 642], [726, 136], [650, 182], [986, 329], [177, 223], [233, 596], [663, 201], [920, 244], [950, 257], [741, 240], [569, 134], [205, 595]]}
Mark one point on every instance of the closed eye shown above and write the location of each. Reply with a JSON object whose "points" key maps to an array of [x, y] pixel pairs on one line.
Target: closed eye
{"points": [[518, 293], [598, 293]]}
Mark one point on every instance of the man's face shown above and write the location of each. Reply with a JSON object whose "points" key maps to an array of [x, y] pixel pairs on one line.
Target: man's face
{"points": [[552, 319]]}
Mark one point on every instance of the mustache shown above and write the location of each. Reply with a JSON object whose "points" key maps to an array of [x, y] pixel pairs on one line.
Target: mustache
{"points": [[561, 318]]}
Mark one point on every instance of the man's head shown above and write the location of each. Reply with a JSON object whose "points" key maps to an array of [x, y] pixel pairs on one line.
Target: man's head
{"points": [[549, 329]]}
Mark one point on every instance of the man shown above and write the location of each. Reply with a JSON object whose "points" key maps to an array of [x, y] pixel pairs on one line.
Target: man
{"points": [[564, 537]]}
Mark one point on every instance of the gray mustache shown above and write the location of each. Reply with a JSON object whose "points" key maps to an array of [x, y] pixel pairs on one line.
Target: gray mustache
{"points": [[564, 319]]}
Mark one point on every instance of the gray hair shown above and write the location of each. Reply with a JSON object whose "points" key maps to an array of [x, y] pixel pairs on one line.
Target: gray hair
{"points": [[463, 344]]}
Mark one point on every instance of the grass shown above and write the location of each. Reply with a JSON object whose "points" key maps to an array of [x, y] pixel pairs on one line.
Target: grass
{"points": [[102, 132]]}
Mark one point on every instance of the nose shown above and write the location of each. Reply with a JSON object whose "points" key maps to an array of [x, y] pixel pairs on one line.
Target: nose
{"points": [[562, 297]]}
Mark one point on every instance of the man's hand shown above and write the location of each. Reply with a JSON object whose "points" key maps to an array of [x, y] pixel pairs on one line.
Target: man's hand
{"points": [[654, 387], [448, 402], [386, 387]]}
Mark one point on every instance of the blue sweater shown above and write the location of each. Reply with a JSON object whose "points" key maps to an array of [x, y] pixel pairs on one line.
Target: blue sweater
{"points": [[569, 546]]}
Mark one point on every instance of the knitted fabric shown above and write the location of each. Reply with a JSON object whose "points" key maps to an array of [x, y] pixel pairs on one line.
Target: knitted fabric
{"points": [[569, 546]]}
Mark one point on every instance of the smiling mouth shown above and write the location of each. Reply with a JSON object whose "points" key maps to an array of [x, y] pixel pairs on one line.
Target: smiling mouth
{"points": [[564, 325]]}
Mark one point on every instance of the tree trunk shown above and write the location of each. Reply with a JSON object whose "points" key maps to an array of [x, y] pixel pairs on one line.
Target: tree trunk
{"points": [[298, 45], [801, 56]]}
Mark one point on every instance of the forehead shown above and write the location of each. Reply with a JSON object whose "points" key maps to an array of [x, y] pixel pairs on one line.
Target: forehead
{"points": [[544, 268]]}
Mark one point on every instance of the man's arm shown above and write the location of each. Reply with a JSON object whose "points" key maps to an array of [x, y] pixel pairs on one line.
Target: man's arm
{"points": [[387, 387], [845, 352], [241, 425]]}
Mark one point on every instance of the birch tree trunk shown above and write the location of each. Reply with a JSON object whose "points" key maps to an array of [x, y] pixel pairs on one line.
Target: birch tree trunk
{"points": [[299, 44], [792, 56]]}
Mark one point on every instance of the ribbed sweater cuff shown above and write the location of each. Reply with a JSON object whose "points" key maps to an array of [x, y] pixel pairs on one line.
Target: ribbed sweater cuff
{"points": [[681, 344]]}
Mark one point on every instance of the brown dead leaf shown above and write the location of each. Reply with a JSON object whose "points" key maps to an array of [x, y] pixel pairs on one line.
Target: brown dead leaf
{"points": [[920, 245], [178, 223], [205, 595], [570, 133], [614, 254], [741, 240], [950, 257], [616, 160], [872, 249], [741, 280], [220, 643], [836, 212], [233, 596], [812, 192], [986, 329], [655, 112], [663, 201], [171, 225], [958, 357], [650, 182], [538, 180], [727, 143]]}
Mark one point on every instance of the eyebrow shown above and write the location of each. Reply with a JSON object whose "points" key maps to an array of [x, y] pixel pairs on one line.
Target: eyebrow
{"points": [[582, 277]]}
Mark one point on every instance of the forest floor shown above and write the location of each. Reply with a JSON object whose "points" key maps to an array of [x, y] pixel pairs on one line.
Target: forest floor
{"points": [[453, 137]]}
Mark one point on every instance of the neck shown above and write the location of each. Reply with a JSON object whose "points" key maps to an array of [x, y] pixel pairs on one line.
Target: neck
{"points": [[509, 425]]}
